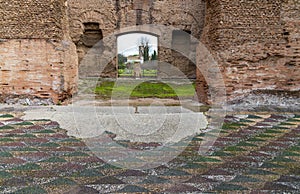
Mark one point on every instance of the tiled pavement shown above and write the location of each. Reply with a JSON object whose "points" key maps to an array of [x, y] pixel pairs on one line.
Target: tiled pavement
{"points": [[256, 153]]}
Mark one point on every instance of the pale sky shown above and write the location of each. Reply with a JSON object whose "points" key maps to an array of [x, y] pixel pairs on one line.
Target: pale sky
{"points": [[128, 43]]}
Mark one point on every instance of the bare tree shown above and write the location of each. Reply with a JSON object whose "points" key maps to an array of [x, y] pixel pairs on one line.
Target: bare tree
{"points": [[143, 44], [143, 41]]}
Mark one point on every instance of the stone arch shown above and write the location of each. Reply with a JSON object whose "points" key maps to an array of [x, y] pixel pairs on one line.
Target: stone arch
{"points": [[91, 16], [90, 35], [106, 23], [139, 68], [164, 32], [182, 41], [146, 29], [142, 32]]}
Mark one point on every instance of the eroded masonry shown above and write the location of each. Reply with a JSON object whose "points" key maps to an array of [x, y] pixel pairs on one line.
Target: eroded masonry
{"points": [[43, 43]]}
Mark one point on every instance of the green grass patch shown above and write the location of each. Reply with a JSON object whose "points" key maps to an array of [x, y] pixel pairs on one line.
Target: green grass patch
{"points": [[130, 73], [149, 73], [126, 75], [147, 89]]}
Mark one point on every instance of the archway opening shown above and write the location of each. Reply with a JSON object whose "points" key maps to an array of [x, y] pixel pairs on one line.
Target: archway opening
{"points": [[89, 38], [92, 34], [182, 44], [137, 55]]}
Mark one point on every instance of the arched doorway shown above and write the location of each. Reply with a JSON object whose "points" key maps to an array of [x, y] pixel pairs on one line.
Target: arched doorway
{"points": [[137, 54], [91, 35]]}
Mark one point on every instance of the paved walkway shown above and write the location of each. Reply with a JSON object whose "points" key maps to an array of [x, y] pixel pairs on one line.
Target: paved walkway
{"points": [[255, 153]]}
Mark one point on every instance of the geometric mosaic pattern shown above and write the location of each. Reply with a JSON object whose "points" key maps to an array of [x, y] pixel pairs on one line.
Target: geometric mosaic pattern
{"points": [[254, 153]]}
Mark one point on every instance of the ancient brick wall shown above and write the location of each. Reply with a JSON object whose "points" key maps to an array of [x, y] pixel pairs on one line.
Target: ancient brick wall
{"points": [[114, 15], [256, 44], [37, 57], [31, 19], [188, 16]]}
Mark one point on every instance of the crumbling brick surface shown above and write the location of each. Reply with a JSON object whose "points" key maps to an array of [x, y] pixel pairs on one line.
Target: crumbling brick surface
{"points": [[36, 67], [37, 57], [112, 16], [256, 44], [31, 19]]}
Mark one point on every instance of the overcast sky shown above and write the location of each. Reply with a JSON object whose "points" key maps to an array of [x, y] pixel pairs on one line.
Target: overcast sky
{"points": [[128, 43]]}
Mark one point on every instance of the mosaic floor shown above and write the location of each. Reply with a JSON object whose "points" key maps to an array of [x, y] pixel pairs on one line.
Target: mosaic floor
{"points": [[257, 153]]}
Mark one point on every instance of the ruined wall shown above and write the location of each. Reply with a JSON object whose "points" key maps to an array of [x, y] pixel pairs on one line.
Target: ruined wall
{"points": [[37, 57], [188, 16], [102, 13], [31, 19], [115, 15], [256, 44]]}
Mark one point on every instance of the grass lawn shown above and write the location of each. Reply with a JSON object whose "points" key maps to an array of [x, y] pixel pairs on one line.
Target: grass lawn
{"points": [[147, 89], [130, 73]]}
